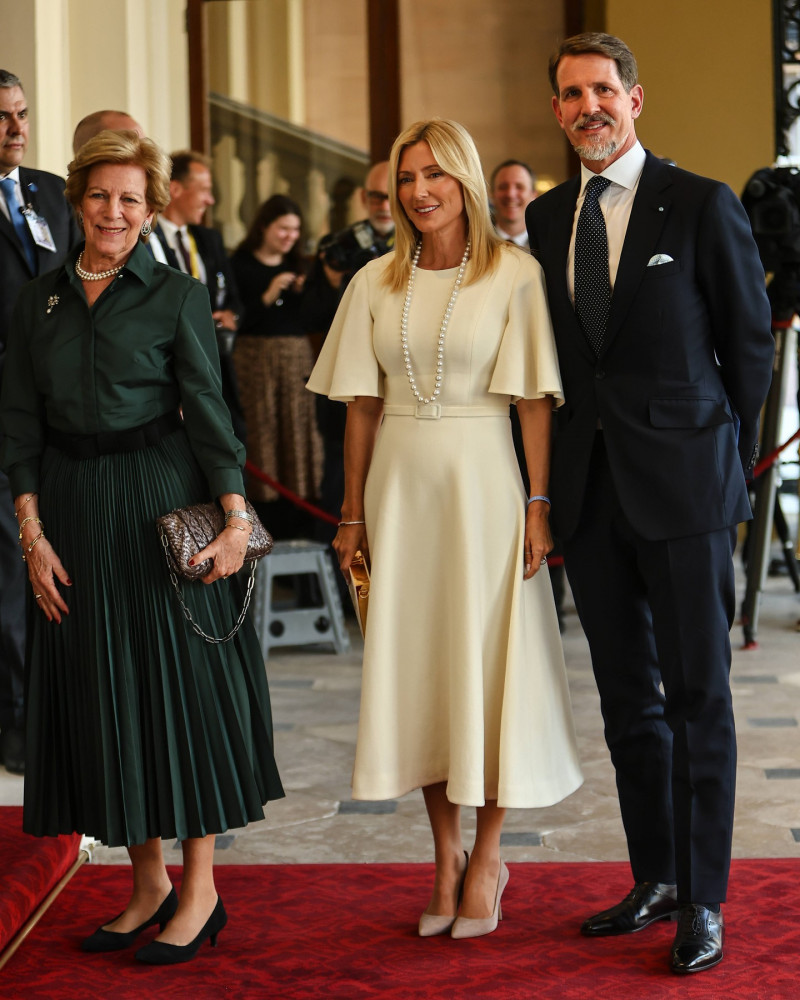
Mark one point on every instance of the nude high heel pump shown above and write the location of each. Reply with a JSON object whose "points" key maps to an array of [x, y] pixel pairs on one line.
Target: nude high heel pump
{"points": [[431, 924], [468, 927]]}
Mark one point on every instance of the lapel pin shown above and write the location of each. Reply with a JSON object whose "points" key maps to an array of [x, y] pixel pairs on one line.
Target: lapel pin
{"points": [[52, 302]]}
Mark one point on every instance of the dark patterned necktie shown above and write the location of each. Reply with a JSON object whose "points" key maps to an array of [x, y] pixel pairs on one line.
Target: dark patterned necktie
{"points": [[592, 282]]}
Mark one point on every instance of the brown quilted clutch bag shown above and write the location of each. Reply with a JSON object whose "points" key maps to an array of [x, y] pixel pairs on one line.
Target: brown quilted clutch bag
{"points": [[187, 530]]}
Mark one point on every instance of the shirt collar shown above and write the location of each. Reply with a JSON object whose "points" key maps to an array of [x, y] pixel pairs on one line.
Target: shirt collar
{"points": [[170, 227], [624, 171], [14, 175], [140, 263]]}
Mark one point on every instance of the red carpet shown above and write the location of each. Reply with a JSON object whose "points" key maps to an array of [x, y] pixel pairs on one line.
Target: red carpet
{"points": [[31, 867], [347, 932]]}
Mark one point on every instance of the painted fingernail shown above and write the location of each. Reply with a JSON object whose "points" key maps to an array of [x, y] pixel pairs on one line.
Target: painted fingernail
{"points": [[191, 562]]}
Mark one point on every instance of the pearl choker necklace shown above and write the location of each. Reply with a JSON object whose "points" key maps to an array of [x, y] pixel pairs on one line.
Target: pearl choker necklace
{"points": [[439, 377], [94, 275]]}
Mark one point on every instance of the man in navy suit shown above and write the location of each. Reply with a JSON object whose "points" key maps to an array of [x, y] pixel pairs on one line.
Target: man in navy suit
{"points": [[663, 332], [37, 229]]}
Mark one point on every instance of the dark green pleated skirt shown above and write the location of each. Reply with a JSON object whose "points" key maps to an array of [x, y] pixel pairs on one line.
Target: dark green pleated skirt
{"points": [[136, 727]]}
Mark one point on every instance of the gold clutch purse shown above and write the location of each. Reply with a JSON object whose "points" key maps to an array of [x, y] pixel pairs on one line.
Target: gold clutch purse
{"points": [[359, 588]]}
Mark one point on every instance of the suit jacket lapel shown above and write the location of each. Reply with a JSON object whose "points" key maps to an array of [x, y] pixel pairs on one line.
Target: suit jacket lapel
{"points": [[650, 210]]}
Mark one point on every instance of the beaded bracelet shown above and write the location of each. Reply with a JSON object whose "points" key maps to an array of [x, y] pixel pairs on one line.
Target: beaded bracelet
{"points": [[26, 500], [343, 523], [40, 535], [539, 496], [25, 520]]}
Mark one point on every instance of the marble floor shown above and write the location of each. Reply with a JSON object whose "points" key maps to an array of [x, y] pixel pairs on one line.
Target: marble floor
{"points": [[315, 695]]}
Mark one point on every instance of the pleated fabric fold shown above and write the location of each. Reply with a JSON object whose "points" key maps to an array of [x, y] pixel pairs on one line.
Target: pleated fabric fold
{"points": [[136, 727]]}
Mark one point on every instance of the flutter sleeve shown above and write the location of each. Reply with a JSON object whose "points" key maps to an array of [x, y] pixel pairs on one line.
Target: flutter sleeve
{"points": [[347, 366], [527, 364]]}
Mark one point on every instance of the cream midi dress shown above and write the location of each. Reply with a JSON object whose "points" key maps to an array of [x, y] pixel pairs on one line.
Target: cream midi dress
{"points": [[463, 678]]}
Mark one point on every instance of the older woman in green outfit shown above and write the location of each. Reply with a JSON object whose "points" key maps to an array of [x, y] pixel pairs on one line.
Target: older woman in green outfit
{"points": [[112, 413]]}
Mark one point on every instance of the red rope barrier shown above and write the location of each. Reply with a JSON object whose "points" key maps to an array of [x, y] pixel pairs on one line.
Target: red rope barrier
{"points": [[298, 501], [770, 459]]}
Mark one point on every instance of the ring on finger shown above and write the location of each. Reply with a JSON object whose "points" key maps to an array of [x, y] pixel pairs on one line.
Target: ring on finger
{"points": [[38, 597]]}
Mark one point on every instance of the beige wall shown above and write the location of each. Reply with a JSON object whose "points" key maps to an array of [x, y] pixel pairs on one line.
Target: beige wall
{"points": [[705, 66], [79, 56], [706, 69], [485, 64]]}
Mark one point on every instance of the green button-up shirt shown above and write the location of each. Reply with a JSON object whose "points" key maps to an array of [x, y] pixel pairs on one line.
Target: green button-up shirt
{"points": [[146, 347]]}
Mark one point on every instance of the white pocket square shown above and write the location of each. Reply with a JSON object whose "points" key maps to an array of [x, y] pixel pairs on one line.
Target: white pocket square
{"points": [[659, 258]]}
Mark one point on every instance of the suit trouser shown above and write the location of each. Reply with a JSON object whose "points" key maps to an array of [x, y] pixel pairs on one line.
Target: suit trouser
{"points": [[13, 581], [659, 613]]}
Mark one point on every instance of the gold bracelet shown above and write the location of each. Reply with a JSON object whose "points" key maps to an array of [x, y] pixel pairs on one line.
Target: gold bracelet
{"points": [[237, 526], [25, 521], [40, 535], [18, 509]]}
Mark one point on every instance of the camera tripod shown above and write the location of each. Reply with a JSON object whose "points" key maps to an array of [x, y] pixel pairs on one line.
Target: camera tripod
{"points": [[768, 513]]}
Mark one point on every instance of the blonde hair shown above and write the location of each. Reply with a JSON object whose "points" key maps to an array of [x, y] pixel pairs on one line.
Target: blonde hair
{"points": [[455, 152], [121, 147]]}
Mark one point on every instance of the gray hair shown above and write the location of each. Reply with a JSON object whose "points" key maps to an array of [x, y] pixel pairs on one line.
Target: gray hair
{"points": [[8, 80]]}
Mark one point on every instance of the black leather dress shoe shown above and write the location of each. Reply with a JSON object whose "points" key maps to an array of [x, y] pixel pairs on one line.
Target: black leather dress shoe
{"points": [[12, 750], [698, 940], [646, 902]]}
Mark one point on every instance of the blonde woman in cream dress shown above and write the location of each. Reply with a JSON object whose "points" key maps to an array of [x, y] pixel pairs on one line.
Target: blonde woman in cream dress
{"points": [[464, 688]]}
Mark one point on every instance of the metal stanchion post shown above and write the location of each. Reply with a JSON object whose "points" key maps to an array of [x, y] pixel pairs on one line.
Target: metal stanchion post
{"points": [[767, 485]]}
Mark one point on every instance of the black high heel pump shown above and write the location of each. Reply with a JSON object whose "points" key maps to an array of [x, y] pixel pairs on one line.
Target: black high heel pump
{"points": [[103, 940], [160, 953]]}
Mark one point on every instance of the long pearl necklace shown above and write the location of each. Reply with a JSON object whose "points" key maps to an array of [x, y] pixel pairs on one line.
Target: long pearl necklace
{"points": [[439, 376], [94, 275]]}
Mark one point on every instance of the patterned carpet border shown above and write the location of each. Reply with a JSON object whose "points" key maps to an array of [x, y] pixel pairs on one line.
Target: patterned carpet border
{"points": [[348, 932]]}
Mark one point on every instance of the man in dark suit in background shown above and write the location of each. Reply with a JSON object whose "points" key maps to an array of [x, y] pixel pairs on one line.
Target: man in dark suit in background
{"points": [[198, 250], [662, 324], [37, 229]]}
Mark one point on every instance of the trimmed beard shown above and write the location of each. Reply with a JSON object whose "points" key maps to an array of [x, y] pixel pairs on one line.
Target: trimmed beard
{"points": [[590, 150], [597, 150]]}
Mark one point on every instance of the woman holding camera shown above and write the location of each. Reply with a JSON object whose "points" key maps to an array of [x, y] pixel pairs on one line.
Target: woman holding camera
{"points": [[273, 360]]}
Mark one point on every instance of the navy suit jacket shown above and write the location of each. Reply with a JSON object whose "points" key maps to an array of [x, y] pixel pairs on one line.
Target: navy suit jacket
{"points": [[685, 365], [45, 192]]}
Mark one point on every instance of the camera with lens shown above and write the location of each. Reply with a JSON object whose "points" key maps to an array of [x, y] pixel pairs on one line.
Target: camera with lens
{"points": [[771, 199], [351, 248]]}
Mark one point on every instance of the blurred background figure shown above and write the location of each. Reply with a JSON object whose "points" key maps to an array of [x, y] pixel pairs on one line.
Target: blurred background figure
{"points": [[339, 256], [273, 359], [512, 189], [98, 121], [198, 250]]}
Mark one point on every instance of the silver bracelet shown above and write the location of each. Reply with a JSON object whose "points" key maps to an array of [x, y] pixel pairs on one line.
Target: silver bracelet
{"points": [[539, 496], [245, 515], [343, 523]]}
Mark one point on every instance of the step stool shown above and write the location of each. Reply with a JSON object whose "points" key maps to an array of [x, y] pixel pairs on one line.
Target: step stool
{"points": [[279, 625]]}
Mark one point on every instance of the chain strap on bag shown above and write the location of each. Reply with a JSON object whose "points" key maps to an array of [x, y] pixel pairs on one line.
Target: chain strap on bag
{"points": [[187, 530]]}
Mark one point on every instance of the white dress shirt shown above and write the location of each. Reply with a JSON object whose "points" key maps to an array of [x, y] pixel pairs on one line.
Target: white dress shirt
{"points": [[174, 233], [14, 175], [521, 239], [615, 203]]}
